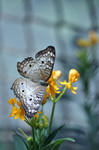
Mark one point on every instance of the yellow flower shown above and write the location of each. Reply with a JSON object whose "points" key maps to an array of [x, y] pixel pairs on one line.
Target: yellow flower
{"points": [[36, 115], [92, 40], [83, 42], [56, 74], [12, 101], [73, 77], [52, 87], [17, 112], [45, 97]]}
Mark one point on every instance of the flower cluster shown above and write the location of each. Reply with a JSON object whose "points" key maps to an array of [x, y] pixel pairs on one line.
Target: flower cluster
{"points": [[17, 110], [52, 89], [42, 134], [40, 122], [92, 40]]}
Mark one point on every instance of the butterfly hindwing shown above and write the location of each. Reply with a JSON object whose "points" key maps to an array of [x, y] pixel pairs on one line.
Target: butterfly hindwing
{"points": [[30, 93], [39, 68]]}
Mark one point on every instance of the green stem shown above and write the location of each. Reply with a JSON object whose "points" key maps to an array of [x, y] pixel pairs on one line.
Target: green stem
{"points": [[34, 142], [51, 120], [53, 109], [61, 94], [23, 133]]}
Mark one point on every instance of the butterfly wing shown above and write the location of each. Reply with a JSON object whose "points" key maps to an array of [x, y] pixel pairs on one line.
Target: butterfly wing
{"points": [[39, 68], [30, 93]]}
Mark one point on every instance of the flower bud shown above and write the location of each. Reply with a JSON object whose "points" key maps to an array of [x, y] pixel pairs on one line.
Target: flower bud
{"points": [[44, 117], [40, 126], [57, 74], [36, 125], [29, 139], [37, 119], [46, 125], [73, 75], [45, 121], [12, 101]]}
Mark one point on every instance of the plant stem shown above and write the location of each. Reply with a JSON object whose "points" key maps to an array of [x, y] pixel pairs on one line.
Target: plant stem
{"points": [[61, 94], [34, 142], [23, 133], [53, 109], [51, 119]]}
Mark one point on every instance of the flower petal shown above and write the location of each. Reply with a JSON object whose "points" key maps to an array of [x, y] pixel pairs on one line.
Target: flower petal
{"points": [[12, 101], [17, 115], [63, 83], [73, 90], [22, 115], [13, 112], [45, 98], [19, 103]]}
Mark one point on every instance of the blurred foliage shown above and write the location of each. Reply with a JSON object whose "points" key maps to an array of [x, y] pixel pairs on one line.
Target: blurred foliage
{"points": [[88, 66]]}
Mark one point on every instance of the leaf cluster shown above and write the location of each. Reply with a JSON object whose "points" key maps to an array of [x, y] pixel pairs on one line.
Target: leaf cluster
{"points": [[40, 140]]}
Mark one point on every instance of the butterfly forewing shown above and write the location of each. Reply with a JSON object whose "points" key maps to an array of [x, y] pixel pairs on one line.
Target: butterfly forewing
{"points": [[45, 60], [30, 93], [39, 68]]}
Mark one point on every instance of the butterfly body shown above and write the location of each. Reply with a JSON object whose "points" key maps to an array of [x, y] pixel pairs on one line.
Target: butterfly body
{"points": [[36, 71]]}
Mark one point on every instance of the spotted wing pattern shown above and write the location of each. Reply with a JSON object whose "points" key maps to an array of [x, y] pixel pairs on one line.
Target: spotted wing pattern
{"points": [[28, 89], [30, 93], [39, 68]]}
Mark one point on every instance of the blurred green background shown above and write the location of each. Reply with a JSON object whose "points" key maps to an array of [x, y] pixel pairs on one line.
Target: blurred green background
{"points": [[27, 26]]}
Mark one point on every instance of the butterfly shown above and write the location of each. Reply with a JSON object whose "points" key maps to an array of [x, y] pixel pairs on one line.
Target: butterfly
{"points": [[36, 72]]}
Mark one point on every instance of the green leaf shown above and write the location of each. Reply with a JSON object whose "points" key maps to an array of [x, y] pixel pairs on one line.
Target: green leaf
{"points": [[56, 144], [52, 135], [23, 140], [19, 144]]}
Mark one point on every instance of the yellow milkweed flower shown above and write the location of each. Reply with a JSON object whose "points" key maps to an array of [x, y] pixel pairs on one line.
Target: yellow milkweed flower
{"points": [[45, 97], [52, 84], [12, 101], [92, 40], [52, 87], [17, 111], [73, 77]]}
